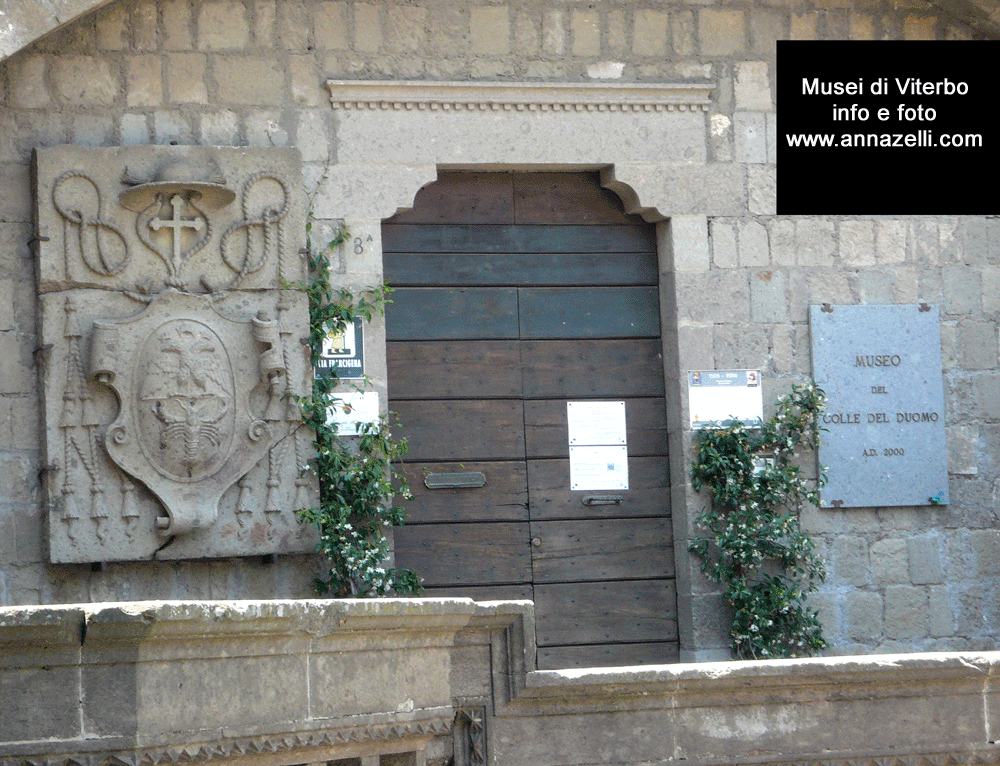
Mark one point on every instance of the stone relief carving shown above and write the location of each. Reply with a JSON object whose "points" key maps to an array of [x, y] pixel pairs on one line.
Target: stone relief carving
{"points": [[172, 349]]}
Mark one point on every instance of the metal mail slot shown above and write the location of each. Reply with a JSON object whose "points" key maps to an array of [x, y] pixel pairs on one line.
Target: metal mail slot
{"points": [[452, 480], [603, 499]]}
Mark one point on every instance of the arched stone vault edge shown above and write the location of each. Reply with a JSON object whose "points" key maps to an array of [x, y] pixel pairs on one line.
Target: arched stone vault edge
{"points": [[24, 21], [649, 142]]}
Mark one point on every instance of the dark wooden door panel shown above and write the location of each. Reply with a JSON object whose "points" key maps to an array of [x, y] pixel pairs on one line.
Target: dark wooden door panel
{"points": [[623, 611], [462, 429], [435, 238], [485, 369], [608, 655], [462, 198], [465, 554], [601, 549], [546, 432], [470, 269], [430, 313], [592, 368], [551, 498], [589, 312], [504, 497]]}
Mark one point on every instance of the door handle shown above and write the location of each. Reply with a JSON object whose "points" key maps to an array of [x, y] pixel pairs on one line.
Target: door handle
{"points": [[603, 499]]}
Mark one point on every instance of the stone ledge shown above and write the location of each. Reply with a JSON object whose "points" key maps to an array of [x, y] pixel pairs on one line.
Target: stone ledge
{"points": [[519, 97], [852, 676]]}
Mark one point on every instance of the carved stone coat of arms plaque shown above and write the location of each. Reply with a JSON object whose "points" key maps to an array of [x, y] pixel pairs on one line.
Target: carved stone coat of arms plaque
{"points": [[171, 348]]}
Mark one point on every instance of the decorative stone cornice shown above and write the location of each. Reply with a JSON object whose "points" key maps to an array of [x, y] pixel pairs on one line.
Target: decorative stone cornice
{"points": [[518, 97], [301, 744]]}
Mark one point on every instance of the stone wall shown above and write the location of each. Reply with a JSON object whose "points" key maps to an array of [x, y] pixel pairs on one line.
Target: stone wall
{"points": [[737, 278]]}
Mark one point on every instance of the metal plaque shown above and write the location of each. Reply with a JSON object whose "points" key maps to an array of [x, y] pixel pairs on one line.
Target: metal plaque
{"points": [[884, 438]]}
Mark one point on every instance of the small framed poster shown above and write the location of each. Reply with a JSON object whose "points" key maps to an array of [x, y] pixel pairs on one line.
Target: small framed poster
{"points": [[724, 397]]}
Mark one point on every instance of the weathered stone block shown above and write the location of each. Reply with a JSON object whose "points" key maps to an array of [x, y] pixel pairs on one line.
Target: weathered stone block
{"points": [[696, 344], [925, 560], [689, 243], [176, 15], [685, 33], [248, 80], [112, 31], [752, 89], [143, 81], [721, 32], [172, 127], [890, 562], [713, 296], [28, 86], [875, 288], [815, 241], [331, 27], [857, 243], [963, 450], [863, 612], [890, 242], [186, 78], [962, 290], [850, 560], [905, 612], [650, 32], [750, 133], [768, 296], [223, 25], [762, 189], [406, 27], [754, 246], [490, 30], [939, 612], [85, 80], [723, 244], [586, 29]]}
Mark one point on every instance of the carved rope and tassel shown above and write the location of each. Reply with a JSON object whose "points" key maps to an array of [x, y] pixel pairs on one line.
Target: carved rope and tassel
{"points": [[272, 506], [90, 236], [70, 419], [267, 228], [244, 502], [130, 506]]}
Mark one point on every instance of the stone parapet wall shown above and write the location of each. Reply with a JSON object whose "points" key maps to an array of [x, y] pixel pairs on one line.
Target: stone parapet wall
{"points": [[737, 278], [423, 681]]}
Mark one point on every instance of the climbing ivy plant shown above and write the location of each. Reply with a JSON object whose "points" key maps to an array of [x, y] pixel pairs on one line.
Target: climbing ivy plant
{"points": [[754, 547], [357, 480]]}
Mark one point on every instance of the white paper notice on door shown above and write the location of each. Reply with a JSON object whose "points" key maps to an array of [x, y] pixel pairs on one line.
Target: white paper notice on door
{"points": [[598, 467], [598, 453], [596, 423]]}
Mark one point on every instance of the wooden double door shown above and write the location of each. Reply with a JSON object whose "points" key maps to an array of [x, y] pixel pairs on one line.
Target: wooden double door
{"points": [[516, 293]]}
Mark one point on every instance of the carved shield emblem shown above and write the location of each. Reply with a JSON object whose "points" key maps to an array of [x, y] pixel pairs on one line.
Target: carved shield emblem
{"points": [[186, 377], [185, 400]]}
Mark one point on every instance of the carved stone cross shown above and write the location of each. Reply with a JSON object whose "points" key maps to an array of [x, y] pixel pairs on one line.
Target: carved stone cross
{"points": [[177, 224]]}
